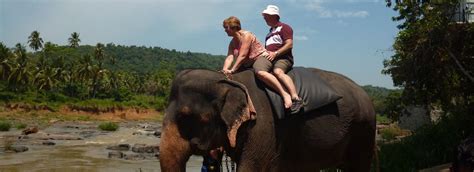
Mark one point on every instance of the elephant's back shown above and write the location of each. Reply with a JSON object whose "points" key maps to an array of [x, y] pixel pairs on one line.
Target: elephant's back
{"points": [[351, 92], [338, 81]]}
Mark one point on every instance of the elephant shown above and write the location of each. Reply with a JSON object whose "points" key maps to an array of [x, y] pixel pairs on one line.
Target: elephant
{"points": [[206, 111]]}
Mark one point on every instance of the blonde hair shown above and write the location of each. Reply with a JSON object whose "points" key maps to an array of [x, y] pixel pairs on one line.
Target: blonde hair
{"points": [[232, 22]]}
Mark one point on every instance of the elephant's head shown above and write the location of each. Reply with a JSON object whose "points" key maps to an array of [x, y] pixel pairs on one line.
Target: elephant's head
{"points": [[204, 112]]}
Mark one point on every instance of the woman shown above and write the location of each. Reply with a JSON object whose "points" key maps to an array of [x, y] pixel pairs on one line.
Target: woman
{"points": [[245, 49]]}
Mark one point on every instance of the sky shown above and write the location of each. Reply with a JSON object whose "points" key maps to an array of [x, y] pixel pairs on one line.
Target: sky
{"points": [[351, 37]]}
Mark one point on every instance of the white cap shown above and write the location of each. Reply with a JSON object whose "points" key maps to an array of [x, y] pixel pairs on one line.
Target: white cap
{"points": [[271, 10]]}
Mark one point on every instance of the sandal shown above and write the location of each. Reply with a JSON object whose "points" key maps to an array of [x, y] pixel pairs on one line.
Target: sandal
{"points": [[296, 106]]}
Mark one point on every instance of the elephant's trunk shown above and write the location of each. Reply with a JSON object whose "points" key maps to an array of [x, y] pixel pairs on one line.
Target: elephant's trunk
{"points": [[174, 150]]}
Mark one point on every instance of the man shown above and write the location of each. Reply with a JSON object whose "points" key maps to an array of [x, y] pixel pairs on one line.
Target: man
{"points": [[279, 43]]}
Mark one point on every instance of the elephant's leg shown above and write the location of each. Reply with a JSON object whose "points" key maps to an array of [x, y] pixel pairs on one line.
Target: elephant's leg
{"points": [[360, 150]]}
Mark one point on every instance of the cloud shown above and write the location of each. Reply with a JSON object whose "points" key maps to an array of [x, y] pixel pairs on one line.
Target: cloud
{"points": [[341, 22], [323, 12], [346, 14], [301, 38]]}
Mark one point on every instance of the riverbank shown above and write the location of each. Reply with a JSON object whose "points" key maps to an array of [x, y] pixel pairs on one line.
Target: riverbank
{"points": [[71, 140], [81, 146]]}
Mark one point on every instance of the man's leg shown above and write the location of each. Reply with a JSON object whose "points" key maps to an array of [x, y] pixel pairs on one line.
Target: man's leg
{"points": [[261, 66], [287, 82], [281, 67]]}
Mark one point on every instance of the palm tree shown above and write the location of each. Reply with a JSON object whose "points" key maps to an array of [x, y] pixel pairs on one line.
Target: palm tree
{"points": [[46, 78], [74, 40], [49, 49], [35, 41], [99, 54], [5, 62], [85, 69], [64, 72], [20, 74]]}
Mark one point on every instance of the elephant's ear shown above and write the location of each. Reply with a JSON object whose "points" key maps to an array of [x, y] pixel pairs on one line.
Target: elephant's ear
{"points": [[237, 109]]}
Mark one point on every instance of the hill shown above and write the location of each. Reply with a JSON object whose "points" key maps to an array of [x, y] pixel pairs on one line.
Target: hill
{"points": [[143, 59], [381, 97]]}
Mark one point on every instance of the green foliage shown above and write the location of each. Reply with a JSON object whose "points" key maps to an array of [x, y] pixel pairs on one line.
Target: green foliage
{"points": [[433, 64], [381, 98], [20, 125], [377, 95], [389, 133], [122, 94], [108, 126], [383, 119], [146, 101], [96, 105], [394, 105], [429, 146], [101, 71], [433, 55], [35, 41], [7, 96], [161, 104], [5, 125], [77, 90]]}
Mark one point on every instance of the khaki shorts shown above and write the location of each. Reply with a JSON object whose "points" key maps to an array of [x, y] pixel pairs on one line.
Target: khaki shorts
{"points": [[263, 64]]}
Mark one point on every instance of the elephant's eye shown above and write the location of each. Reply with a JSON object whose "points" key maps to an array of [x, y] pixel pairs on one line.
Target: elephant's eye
{"points": [[185, 111]]}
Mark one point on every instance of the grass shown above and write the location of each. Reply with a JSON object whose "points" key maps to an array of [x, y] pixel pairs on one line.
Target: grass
{"points": [[33, 101], [20, 126], [5, 126], [108, 126], [392, 131]]}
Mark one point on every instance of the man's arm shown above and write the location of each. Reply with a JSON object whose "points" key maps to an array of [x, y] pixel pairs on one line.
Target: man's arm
{"points": [[287, 46]]}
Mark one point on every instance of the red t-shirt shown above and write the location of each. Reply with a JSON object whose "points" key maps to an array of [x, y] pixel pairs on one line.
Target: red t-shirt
{"points": [[276, 38]]}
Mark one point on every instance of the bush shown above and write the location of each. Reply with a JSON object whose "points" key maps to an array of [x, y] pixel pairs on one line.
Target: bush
{"points": [[7, 96], [429, 146], [391, 132], [20, 126], [77, 90], [161, 103], [5, 126], [122, 94], [56, 97], [108, 126], [382, 119]]}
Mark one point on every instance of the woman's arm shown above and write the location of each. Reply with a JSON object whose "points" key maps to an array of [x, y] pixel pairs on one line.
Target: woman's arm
{"points": [[229, 59], [243, 51]]}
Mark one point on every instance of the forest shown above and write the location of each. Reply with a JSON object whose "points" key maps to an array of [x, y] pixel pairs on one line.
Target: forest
{"points": [[113, 75], [53, 75]]}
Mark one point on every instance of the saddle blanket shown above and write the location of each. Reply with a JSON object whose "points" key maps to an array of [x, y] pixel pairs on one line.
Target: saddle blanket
{"points": [[314, 91]]}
